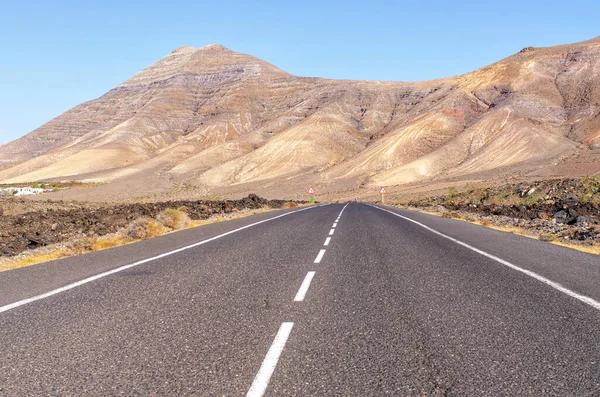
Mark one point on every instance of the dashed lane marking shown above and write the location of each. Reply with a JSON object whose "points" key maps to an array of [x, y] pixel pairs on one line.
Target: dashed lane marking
{"points": [[304, 287], [319, 256], [261, 381]]}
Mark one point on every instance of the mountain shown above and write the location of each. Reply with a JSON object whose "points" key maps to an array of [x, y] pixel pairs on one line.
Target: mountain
{"points": [[214, 121]]}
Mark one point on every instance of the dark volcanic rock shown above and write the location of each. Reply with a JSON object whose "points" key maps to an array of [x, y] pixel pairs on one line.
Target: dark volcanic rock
{"points": [[37, 229]]}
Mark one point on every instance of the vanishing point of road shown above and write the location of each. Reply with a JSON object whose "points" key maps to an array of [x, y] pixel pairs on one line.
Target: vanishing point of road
{"points": [[331, 300]]}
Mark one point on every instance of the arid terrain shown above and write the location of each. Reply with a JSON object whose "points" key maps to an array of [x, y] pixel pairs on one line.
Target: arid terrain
{"points": [[211, 122], [29, 225], [566, 211]]}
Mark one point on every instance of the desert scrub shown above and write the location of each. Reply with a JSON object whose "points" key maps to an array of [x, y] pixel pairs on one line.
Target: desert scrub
{"points": [[588, 189], [174, 219], [548, 237], [453, 215], [144, 228], [474, 194], [534, 200], [452, 196], [506, 195]]}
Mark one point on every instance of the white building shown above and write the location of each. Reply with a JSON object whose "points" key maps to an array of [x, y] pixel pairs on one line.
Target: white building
{"points": [[21, 191]]}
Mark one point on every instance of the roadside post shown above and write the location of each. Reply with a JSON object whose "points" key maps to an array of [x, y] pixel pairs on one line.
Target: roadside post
{"points": [[311, 193], [383, 193]]}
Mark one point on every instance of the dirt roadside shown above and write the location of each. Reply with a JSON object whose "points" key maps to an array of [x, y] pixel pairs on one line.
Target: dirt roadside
{"points": [[565, 211], [27, 225]]}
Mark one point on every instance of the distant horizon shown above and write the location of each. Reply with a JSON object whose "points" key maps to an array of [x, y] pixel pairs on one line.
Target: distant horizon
{"points": [[60, 55]]}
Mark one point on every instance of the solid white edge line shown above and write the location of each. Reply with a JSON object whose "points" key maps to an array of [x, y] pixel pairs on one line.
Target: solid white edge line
{"points": [[319, 256], [304, 287], [327, 240], [331, 232], [261, 380], [129, 266], [585, 299]]}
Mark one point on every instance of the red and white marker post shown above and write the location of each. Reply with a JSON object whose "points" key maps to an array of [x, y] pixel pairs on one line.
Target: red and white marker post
{"points": [[311, 193], [383, 193]]}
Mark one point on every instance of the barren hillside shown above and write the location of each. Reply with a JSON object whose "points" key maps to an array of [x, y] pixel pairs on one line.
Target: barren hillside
{"points": [[211, 121]]}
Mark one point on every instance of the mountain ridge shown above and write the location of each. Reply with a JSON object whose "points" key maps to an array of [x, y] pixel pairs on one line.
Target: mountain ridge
{"points": [[217, 120]]}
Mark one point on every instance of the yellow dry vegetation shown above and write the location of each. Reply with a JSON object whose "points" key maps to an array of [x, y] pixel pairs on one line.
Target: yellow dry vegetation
{"points": [[77, 248], [105, 243], [145, 228], [590, 249], [174, 219], [34, 260]]}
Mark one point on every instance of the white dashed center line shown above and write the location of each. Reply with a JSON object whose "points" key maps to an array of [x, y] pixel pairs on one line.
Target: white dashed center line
{"points": [[319, 256], [261, 381], [304, 287]]}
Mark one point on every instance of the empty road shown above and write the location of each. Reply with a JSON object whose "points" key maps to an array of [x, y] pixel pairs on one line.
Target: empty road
{"points": [[332, 300]]}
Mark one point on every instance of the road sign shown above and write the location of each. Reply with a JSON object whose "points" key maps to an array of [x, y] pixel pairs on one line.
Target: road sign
{"points": [[311, 192]]}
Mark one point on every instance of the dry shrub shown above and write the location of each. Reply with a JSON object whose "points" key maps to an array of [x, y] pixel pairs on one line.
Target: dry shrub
{"points": [[547, 237], [289, 204], [143, 228], [485, 222], [83, 245], [174, 219], [452, 215]]}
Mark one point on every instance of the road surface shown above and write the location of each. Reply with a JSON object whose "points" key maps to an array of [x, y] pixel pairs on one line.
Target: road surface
{"points": [[347, 300]]}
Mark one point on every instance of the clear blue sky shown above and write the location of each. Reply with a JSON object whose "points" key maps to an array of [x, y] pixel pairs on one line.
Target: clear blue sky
{"points": [[57, 54]]}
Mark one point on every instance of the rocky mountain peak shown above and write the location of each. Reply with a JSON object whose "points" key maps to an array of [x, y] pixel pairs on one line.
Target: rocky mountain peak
{"points": [[207, 60], [215, 47]]}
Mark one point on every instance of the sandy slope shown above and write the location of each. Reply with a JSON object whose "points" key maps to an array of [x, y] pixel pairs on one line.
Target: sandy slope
{"points": [[218, 122]]}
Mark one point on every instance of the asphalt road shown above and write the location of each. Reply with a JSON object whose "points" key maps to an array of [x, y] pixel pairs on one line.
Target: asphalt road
{"points": [[305, 304]]}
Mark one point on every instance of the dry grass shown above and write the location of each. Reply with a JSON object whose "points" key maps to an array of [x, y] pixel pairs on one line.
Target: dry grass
{"points": [[174, 219], [590, 249], [105, 243], [77, 247], [34, 259]]}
